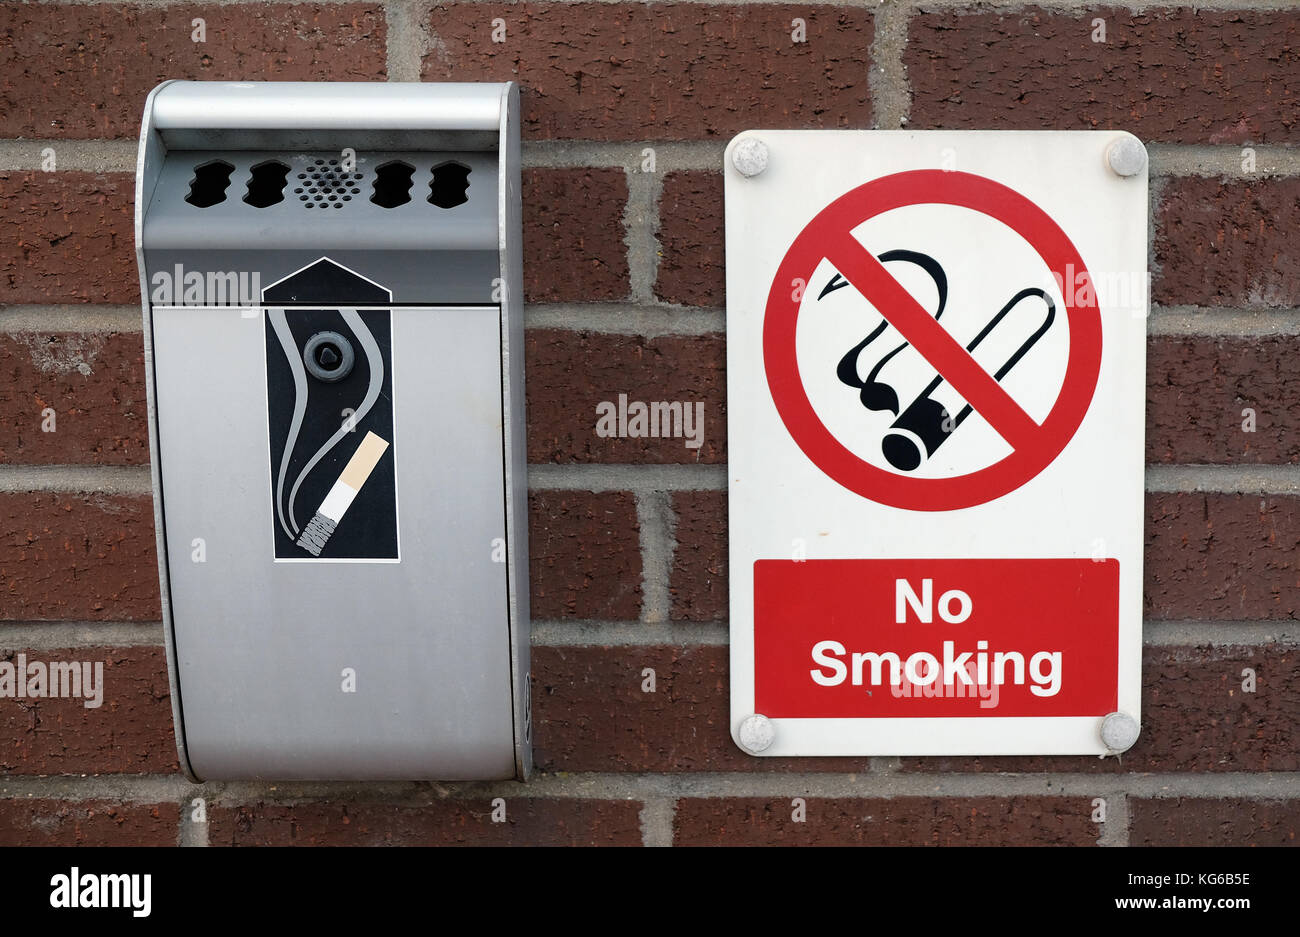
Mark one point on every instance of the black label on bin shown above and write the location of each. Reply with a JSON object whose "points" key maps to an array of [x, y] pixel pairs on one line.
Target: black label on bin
{"points": [[330, 416]]}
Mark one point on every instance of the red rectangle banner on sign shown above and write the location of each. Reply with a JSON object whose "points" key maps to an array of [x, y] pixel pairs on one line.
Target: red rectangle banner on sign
{"points": [[936, 638]]}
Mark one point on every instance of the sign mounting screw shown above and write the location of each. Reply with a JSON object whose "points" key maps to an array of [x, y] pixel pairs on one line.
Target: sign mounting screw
{"points": [[1126, 156], [757, 734], [1119, 731], [750, 156]]}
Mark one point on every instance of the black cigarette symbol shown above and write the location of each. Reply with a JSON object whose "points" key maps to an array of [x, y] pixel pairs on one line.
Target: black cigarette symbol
{"points": [[925, 424]]}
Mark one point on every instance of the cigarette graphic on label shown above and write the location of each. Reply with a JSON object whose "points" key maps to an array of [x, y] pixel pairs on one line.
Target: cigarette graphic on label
{"points": [[317, 533]]}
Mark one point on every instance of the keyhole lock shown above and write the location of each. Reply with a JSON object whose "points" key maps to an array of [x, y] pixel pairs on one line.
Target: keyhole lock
{"points": [[329, 357]]}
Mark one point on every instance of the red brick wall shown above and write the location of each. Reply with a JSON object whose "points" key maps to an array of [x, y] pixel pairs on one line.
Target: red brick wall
{"points": [[624, 277]]}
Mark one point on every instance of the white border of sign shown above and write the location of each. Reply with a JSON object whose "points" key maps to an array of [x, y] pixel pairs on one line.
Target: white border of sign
{"points": [[1092, 490]]}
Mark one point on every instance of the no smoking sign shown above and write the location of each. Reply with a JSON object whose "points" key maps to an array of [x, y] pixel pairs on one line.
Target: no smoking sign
{"points": [[936, 357]]}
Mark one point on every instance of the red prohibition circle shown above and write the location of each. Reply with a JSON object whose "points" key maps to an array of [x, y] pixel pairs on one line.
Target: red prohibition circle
{"points": [[1037, 447]]}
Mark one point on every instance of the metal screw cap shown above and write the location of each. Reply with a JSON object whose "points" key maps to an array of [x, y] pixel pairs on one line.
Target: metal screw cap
{"points": [[749, 156], [1126, 156], [757, 734], [1119, 731]]}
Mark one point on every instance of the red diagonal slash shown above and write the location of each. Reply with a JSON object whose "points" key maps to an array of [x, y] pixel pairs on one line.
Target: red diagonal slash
{"points": [[870, 278]]}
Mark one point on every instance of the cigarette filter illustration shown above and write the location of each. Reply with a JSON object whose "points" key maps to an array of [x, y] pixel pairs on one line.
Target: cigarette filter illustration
{"points": [[318, 531]]}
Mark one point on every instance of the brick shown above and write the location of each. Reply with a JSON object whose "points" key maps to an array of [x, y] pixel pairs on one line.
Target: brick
{"points": [[76, 240], [529, 822], [698, 583], [77, 557], [1217, 243], [130, 732], [1195, 718], [74, 233], [1197, 392], [590, 713], [1190, 821], [1224, 243], [94, 383], [632, 71], [571, 374], [900, 821], [1222, 557], [692, 231], [1216, 557], [84, 70], [573, 238], [89, 823], [1170, 75], [584, 555]]}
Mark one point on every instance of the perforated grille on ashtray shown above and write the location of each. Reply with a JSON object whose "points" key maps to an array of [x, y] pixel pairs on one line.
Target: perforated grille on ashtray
{"points": [[322, 184]]}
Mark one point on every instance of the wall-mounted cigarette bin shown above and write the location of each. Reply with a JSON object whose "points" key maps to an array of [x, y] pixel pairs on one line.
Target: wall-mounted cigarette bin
{"points": [[334, 345]]}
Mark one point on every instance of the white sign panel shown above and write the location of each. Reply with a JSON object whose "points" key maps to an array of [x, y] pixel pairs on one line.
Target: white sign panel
{"points": [[936, 351]]}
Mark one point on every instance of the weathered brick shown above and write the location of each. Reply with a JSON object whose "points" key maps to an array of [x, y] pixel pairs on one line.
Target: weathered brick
{"points": [[74, 235], [570, 374], [87, 823], [1175, 75], [573, 235], [632, 71], [1217, 243], [528, 822], [1215, 557], [76, 240], [591, 713], [1195, 718], [1227, 243], [1222, 557], [900, 821], [1190, 821], [1198, 392], [130, 732], [692, 271], [77, 557], [84, 70], [698, 583], [94, 384], [585, 555]]}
